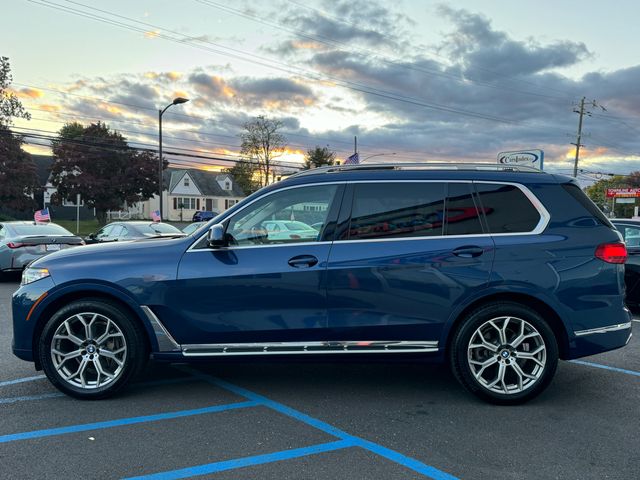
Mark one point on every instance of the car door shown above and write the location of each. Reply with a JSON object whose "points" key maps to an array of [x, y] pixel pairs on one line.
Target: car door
{"points": [[258, 289], [405, 254]]}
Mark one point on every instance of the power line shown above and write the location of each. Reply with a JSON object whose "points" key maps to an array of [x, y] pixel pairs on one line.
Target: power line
{"points": [[241, 55]]}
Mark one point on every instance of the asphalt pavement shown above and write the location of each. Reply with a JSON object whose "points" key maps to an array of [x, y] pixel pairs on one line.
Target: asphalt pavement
{"points": [[293, 420]]}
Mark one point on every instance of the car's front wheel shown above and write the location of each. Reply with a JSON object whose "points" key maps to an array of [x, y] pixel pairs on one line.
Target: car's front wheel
{"points": [[91, 349], [504, 353]]}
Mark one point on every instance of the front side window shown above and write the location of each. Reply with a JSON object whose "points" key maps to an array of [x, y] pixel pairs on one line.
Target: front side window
{"points": [[507, 209], [255, 225], [397, 210]]}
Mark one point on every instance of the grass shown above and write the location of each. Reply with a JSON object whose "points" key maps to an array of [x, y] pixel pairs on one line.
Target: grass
{"points": [[86, 226]]}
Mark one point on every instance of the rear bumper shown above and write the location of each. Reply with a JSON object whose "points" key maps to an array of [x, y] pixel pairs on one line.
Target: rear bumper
{"points": [[598, 340]]}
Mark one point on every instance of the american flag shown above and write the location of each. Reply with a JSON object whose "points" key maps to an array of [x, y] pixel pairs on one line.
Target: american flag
{"points": [[42, 215], [155, 216], [352, 160]]}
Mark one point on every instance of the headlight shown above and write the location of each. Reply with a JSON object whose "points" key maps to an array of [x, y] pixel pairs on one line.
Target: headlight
{"points": [[31, 274]]}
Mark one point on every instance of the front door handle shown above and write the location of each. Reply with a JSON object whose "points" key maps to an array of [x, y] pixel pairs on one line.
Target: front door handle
{"points": [[303, 261], [468, 251]]}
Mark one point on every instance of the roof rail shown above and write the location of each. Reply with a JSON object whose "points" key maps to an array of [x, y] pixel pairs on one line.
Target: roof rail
{"points": [[489, 167]]}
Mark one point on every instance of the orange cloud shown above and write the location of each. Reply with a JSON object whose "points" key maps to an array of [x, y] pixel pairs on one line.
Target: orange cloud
{"points": [[32, 93], [180, 93], [174, 75], [306, 45], [151, 34], [50, 108]]}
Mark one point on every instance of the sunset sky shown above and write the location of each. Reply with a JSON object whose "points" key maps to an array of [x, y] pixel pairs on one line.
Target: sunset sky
{"points": [[425, 80]]}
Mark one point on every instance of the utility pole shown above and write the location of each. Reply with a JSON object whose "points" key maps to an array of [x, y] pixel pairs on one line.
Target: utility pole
{"points": [[355, 144], [581, 113]]}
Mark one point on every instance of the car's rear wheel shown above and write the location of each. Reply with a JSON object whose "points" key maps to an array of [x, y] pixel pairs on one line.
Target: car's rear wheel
{"points": [[504, 353], [91, 349]]}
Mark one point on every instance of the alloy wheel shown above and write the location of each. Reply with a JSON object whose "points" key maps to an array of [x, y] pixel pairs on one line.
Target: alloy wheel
{"points": [[507, 355], [89, 350]]}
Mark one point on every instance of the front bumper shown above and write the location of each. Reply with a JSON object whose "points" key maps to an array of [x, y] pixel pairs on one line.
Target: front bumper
{"points": [[25, 316]]}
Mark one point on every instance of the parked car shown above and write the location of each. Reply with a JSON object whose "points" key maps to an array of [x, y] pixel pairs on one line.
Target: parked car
{"points": [[192, 227], [122, 231], [630, 230], [288, 230], [203, 215], [23, 242], [530, 271]]}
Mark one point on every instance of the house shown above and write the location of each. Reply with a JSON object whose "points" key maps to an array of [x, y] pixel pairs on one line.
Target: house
{"points": [[189, 190], [185, 191]]}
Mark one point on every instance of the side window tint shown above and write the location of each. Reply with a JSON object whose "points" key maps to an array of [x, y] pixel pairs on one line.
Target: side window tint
{"points": [[283, 217], [462, 214], [115, 233], [397, 210], [104, 232], [507, 209]]}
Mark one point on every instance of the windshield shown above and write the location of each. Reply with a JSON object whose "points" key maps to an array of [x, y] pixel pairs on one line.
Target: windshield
{"points": [[40, 229], [157, 228]]}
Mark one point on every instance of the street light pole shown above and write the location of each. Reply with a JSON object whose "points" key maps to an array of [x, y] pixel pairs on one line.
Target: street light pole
{"points": [[377, 155], [176, 101]]}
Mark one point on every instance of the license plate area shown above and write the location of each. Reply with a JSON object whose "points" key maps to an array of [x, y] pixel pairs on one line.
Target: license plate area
{"points": [[52, 247]]}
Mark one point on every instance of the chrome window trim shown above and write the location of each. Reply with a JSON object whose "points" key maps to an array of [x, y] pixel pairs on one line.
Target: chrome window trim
{"points": [[607, 329], [166, 342], [315, 347], [545, 216]]}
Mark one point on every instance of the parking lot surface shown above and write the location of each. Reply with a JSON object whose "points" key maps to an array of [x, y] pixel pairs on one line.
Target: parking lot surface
{"points": [[298, 420]]}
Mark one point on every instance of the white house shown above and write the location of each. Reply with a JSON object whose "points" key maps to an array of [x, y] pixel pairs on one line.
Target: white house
{"points": [[188, 190]]}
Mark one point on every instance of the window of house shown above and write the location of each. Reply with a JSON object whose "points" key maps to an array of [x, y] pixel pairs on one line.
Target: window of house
{"points": [[506, 208], [397, 210], [229, 203], [227, 185], [186, 181]]}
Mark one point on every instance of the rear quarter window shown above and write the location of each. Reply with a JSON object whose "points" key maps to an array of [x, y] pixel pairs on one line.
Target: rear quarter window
{"points": [[576, 192], [507, 209]]}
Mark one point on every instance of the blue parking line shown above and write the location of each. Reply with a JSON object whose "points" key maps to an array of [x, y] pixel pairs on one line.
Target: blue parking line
{"points": [[123, 421], [392, 455], [246, 461], [21, 380], [606, 367]]}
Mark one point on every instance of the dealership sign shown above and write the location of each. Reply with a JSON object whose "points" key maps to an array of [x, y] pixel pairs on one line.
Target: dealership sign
{"points": [[623, 192], [528, 158]]}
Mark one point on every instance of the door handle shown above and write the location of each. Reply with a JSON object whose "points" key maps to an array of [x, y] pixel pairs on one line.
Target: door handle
{"points": [[468, 251], [303, 261]]}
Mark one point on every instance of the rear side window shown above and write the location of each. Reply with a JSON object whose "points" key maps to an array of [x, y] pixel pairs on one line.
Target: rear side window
{"points": [[576, 192], [397, 210], [462, 214], [507, 209]]}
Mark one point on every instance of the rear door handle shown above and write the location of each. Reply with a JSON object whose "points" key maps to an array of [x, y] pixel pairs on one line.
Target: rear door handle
{"points": [[468, 251], [303, 261]]}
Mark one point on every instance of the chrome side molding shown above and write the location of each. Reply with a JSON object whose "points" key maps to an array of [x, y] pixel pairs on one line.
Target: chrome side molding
{"points": [[297, 348], [607, 329], [166, 343]]}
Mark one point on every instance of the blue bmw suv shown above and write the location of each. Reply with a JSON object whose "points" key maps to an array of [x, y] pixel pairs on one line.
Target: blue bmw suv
{"points": [[498, 271]]}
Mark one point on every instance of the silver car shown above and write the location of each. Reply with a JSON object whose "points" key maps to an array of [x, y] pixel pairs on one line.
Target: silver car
{"points": [[22, 242]]}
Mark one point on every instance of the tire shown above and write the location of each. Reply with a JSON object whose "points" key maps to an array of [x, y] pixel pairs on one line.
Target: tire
{"points": [[507, 340], [98, 334]]}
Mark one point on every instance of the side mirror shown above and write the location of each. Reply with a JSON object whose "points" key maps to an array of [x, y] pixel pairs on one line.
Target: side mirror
{"points": [[216, 236]]}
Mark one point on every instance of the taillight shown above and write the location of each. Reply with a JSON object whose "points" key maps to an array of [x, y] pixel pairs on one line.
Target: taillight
{"points": [[612, 252], [15, 245], [294, 236]]}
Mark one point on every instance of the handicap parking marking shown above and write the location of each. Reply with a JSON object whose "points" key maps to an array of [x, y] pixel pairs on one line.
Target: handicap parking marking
{"points": [[606, 367], [124, 421], [352, 440], [217, 467], [21, 380]]}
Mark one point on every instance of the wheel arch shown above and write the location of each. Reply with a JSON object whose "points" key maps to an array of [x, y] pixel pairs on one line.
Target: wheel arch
{"points": [[85, 294], [541, 307]]}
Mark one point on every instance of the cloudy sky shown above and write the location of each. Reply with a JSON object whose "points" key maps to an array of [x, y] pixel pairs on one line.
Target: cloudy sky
{"points": [[414, 80]]}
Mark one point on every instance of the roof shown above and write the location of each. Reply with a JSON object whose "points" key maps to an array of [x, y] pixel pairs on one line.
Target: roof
{"points": [[207, 182], [43, 167]]}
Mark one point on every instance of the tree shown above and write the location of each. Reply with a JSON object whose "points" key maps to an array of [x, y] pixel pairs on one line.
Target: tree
{"points": [[10, 105], [262, 142], [597, 193], [244, 174], [319, 157], [98, 164], [18, 180]]}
